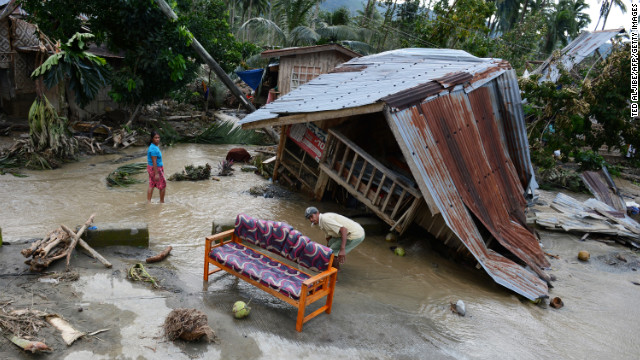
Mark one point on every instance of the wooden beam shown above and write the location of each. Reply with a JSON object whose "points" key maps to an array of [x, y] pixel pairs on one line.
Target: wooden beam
{"points": [[315, 116]]}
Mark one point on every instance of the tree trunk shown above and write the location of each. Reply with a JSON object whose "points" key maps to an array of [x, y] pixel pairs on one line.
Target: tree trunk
{"points": [[213, 65]]}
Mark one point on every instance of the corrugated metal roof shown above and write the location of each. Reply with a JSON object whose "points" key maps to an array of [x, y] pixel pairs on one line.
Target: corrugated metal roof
{"points": [[380, 75], [451, 147], [603, 188], [585, 44]]}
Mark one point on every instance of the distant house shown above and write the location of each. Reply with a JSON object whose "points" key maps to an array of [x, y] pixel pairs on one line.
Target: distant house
{"points": [[20, 49], [434, 137], [299, 65]]}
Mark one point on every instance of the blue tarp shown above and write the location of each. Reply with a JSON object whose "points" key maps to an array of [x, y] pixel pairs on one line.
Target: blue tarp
{"points": [[251, 77]]}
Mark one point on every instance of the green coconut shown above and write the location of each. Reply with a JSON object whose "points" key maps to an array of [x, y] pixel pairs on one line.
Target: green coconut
{"points": [[399, 251], [240, 310], [391, 237], [583, 255]]}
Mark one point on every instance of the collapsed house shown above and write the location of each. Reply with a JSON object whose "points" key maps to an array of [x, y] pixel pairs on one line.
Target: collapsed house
{"points": [[20, 49], [434, 137]]}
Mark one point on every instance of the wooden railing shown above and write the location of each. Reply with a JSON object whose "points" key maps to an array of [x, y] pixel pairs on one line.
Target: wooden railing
{"points": [[390, 196]]}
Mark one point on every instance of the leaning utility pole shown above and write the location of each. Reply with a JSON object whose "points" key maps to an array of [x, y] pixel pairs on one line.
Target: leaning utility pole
{"points": [[195, 44]]}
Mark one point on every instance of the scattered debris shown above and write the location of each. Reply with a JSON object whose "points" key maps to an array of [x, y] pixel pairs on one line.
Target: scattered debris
{"points": [[551, 255], [192, 173], [122, 176], [399, 251], [188, 324], [591, 216], [238, 155], [556, 303], [240, 309], [138, 273], [160, 256], [69, 334], [63, 276], [56, 245], [391, 237], [28, 345], [459, 308], [583, 255], [225, 168]]}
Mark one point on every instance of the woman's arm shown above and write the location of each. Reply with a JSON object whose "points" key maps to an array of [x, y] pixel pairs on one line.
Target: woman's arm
{"points": [[155, 166]]}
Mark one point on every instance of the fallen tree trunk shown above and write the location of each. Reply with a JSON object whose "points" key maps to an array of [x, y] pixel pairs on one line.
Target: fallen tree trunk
{"points": [[160, 256]]}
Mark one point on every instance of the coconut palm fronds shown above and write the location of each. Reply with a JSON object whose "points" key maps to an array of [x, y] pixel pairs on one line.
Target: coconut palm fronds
{"points": [[225, 132], [122, 176]]}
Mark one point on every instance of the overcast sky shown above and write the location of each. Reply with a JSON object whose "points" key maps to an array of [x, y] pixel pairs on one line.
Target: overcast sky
{"points": [[615, 20]]}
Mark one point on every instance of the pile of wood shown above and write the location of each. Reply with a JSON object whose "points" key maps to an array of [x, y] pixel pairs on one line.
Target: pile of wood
{"points": [[59, 244], [590, 217]]}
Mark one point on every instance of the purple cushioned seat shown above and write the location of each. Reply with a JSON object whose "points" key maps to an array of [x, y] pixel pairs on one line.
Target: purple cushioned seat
{"points": [[258, 267], [315, 256]]}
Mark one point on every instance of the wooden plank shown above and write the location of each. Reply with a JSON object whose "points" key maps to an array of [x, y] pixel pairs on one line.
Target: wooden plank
{"points": [[357, 195], [281, 144], [344, 160], [373, 174], [362, 170], [391, 174], [395, 209], [302, 164], [375, 197], [292, 171], [388, 197], [353, 166], [321, 185], [315, 116]]}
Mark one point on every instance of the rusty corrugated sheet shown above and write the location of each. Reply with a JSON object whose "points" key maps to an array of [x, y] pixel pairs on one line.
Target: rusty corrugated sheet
{"points": [[514, 127], [431, 138], [585, 44], [414, 95], [603, 188]]}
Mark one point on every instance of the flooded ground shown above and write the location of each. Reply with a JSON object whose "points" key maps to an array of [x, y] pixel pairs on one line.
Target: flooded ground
{"points": [[386, 307]]}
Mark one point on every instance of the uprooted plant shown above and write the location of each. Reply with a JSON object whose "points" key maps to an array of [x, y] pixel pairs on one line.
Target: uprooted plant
{"points": [[192, 173]]}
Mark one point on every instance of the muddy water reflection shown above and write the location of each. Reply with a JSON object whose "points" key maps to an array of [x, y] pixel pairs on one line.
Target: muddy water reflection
{"points": [[600, 319]]}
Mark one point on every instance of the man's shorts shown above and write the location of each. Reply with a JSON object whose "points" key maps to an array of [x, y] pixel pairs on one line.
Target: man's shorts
{"points": [[336, 242]]}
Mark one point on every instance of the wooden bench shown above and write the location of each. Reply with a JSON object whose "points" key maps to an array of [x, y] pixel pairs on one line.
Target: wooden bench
{"points": [[226, 251]]}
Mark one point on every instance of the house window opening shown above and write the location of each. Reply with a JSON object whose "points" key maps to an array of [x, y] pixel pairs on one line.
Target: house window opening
{"points": [[303, 74]]}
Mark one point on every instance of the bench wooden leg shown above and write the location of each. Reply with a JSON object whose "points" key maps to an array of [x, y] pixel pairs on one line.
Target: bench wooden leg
{"points": [[332, 288], [301, 307]]}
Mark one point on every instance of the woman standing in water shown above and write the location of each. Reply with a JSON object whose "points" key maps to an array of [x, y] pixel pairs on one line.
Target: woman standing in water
{"points": [[154, 168]]}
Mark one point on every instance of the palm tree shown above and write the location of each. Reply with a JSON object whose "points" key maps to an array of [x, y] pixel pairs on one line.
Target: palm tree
{"points": [[565, 23], [606, 8], [289, 26]]}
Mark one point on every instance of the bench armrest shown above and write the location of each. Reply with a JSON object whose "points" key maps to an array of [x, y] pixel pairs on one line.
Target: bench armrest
{"points": [[221, 237], [320, 276]]}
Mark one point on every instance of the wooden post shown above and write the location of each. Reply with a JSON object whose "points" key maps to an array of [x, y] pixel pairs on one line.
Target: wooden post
{"points": [[195, 44]]}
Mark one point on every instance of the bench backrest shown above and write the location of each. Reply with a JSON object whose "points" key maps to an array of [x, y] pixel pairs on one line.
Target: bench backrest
{"points": [[282, 239]]}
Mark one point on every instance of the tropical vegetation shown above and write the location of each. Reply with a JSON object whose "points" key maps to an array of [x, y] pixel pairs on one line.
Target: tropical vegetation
{"points": [[587, 108]]}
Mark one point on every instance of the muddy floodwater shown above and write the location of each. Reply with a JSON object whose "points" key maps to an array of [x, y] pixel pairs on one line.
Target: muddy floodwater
{"points": [[385, 307]]}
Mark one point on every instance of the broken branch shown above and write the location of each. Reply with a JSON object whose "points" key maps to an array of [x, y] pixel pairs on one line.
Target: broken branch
{"points": [[160, 256], [74, 242]]}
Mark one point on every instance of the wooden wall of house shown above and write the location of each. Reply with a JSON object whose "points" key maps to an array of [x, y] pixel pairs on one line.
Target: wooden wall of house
{"points": [[324, 61]]}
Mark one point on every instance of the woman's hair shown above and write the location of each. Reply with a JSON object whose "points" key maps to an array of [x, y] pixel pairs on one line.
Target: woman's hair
{"points": [[153, 134]]}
